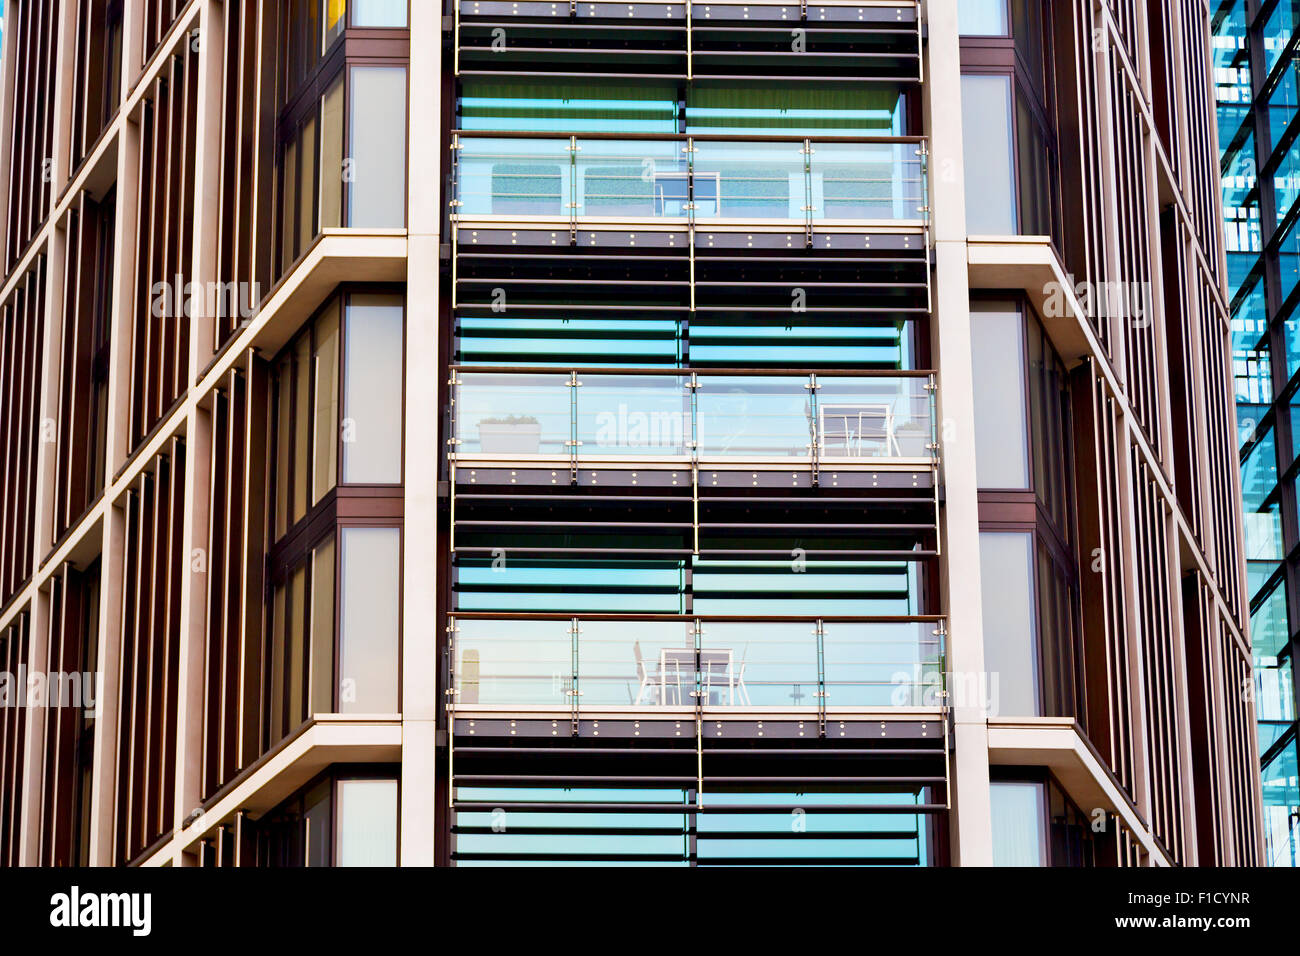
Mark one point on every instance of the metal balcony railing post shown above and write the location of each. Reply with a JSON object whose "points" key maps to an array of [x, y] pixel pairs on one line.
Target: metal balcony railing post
{"points": [[689, 150], [932, 388], [573, 189], [690, 45], [941, 633], [575, 692], [814, 429], [451, 691], [807, 192], [693, 387], [573, 442], [819, 632], [923, 181]]}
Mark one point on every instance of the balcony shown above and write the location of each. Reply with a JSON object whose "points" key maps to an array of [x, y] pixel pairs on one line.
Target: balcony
{"points": [[705, 181], [864, 40], [622, 730], [672, 417], [669, 666]]}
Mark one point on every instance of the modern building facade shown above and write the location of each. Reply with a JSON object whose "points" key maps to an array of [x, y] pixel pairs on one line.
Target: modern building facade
{"points": [[1255, 89], [530, 432]]}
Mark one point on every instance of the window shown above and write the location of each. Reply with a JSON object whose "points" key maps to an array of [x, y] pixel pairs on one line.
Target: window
{"points": [[366, 833], [322, 410], [377, 151], [378, 13], [1024, 468], [1017, 812], [1009, 119], [345, 818], [370, 610], [986, 139], [372, 405], [336, 502], [342, 128], [359, 570], [984, 18], [1010, 637], [998, 371], [1035, 823]]}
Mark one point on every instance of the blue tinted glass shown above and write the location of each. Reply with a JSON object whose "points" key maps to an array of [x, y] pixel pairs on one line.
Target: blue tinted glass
{"points": [[1286, 180], [1232, 87], [1259, 472], [1277, 31], [1281, 801], [1288, 261], [1241, 224], [1274, 698], [1282, 103]]}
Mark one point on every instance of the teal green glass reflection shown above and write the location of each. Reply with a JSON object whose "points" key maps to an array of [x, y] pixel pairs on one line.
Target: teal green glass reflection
{"points": [[651, 831], [512, 104], [804, 109]]}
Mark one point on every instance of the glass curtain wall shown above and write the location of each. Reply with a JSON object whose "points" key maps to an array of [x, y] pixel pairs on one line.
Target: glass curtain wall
{"points": [[1255, 66]]}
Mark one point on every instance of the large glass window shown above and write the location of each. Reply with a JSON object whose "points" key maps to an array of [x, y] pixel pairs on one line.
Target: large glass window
{"points": [[320, 664], [342, 128], [988, 149], [1024, 470], [366, 833], [319, 406], [1018, 810], [370, 609], [1010, 638], [377, 151], [998, 370], [982, 18], [345, 818], [378, 13], [1009, 120], [372, 401]]}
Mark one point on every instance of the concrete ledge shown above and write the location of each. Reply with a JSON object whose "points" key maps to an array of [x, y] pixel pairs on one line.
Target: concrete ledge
{"points": [[1028, 264], [1057, 744], [329, 739]]}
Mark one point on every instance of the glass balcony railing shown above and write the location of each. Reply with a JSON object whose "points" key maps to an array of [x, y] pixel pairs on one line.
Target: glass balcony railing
{"points": [[657, 414], [572, 663], [704, 179]]}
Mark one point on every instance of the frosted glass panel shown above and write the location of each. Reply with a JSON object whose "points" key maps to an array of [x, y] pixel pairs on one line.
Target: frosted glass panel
{"points": [[370, 574], [1010, 638], [986, 131], [379, 13], [998, 373], [367, 823], [372, 401], [377, 150], [1017, 810]]}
